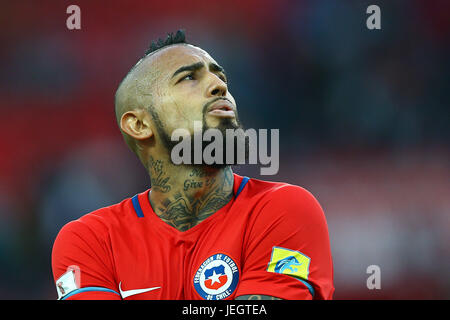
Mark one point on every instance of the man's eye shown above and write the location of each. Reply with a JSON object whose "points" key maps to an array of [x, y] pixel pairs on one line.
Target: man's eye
{"points": [[189, 76]]}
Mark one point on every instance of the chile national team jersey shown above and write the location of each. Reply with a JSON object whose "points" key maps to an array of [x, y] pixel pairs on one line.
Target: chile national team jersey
{"points": [[270, 239]]}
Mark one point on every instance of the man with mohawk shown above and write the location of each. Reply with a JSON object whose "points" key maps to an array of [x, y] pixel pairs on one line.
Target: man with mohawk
{"points": [[200, 231]]}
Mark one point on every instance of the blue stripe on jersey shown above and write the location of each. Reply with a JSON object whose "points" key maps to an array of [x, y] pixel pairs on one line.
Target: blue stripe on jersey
{"points": [[242, 185], [87, 289], [310, 288], [137, 206]]}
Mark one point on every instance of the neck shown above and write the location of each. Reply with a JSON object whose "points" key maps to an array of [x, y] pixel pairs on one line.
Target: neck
{"points": [[184, 196]]}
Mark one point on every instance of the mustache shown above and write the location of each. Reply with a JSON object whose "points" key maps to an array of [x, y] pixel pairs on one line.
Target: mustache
{"points": [[206, 105]]}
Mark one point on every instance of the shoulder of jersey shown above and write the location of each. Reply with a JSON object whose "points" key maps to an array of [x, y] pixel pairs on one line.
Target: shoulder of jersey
{"points": [[291, 202], [268, 189], [281, 195]]}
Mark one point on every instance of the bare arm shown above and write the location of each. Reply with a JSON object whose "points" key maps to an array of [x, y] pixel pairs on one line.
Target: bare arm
{"points": [[256, 297]]}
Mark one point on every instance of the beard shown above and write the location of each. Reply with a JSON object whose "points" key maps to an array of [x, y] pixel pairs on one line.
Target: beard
{"points": [[231, 148]]}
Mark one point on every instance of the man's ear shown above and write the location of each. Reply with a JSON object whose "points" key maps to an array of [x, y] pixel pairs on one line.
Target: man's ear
{"points": [[136, 124]]}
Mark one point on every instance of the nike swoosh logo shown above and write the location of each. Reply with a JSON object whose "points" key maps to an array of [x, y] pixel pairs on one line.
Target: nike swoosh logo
{"points": [[128, 293]]}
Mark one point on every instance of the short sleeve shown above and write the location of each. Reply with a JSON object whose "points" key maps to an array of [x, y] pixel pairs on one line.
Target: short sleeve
{"points": [[287, 248], [81, 263]]}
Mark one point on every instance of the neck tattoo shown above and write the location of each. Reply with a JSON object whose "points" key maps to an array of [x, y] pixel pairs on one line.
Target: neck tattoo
{"points": [[184, 203]]}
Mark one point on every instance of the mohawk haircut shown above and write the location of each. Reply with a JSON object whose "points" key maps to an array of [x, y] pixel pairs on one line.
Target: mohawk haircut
{"points": [[179, 37]]}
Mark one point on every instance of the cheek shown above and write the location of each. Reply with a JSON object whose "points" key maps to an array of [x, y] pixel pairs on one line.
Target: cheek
{"points": [[180, 111], [229, 96]]}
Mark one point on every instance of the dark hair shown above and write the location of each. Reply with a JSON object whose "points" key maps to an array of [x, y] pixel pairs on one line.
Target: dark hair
{"points": [[179, 37]]}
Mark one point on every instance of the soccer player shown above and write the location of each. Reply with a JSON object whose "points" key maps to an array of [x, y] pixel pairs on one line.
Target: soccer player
{"points": [[200, 231]]}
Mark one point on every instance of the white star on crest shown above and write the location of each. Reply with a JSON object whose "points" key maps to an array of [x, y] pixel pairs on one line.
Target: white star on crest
{"points": [[214, 277]]}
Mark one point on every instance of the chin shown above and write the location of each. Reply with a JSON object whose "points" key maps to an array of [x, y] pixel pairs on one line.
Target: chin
{"points": [[223, 124]]}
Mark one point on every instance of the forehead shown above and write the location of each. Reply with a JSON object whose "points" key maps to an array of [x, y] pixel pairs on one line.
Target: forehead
{"points": [[169, 59]]}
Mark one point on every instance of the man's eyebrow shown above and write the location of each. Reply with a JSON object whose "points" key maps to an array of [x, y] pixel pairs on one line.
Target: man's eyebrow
{"points": [[191, 67], [197, 66], [216, 68]]}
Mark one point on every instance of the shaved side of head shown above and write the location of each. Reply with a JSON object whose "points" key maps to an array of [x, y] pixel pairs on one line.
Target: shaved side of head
{"points": [[127, 99], [135, 90]]}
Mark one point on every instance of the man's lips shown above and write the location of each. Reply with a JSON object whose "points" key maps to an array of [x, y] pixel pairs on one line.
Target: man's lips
{"points": [[222, 108]]}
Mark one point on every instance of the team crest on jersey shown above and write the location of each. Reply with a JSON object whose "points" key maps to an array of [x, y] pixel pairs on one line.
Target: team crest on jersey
{"points": [[217, 277]]}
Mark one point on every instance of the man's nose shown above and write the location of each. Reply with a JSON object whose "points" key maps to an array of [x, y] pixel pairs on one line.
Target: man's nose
{"points": [[217, 87]]}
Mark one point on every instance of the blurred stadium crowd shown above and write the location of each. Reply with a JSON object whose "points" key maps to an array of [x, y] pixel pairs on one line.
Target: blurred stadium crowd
{"points": [[363, 118]]}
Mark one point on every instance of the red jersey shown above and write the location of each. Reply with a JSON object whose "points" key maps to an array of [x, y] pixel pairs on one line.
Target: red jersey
{"points": [[270, 239]]}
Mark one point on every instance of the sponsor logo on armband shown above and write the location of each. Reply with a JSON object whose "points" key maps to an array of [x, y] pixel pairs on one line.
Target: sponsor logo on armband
{"points": [[290, 262]]}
